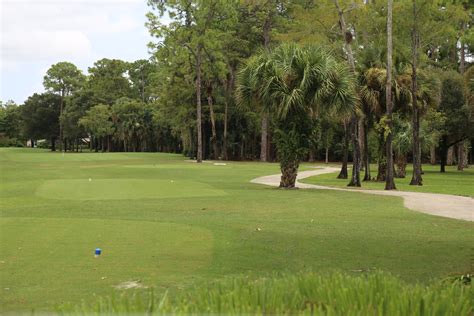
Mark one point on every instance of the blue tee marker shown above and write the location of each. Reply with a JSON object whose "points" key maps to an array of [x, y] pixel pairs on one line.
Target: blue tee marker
{"points": [[97, 252]]}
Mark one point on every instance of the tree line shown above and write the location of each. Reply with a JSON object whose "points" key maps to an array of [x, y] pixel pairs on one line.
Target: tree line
{"points": [[288, 80]]}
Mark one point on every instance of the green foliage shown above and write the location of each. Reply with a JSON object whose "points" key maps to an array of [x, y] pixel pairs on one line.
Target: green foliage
{"points": [[98, 121], [292, 144], [458, 124], [299, 294], [63, 78], [40, 116], [293, 83], [108, 81], [10, 124]]}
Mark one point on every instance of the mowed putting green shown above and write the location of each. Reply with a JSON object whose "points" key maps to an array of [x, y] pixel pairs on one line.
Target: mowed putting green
{"points": [[166, 223], [123, 189]]}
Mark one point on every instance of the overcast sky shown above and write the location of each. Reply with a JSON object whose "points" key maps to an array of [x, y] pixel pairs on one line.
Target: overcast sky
{"points": [[38, 33]]}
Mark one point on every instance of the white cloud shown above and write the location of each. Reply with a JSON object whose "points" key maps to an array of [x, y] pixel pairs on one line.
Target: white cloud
{"points": [[59, 29], [34, 34], [44, 45]]}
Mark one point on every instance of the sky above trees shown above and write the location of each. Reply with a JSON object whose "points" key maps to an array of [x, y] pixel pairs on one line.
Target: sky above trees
{"points": [[38, 33]]}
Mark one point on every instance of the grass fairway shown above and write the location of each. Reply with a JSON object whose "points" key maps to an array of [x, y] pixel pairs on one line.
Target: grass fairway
{"points": [[451, 182], [170, 224]]}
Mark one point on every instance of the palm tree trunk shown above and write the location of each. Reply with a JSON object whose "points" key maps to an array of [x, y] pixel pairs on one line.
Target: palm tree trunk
{"points": [[347, 36], [265, 116], [389, 181], [401, 165], [198, 107], [362, 143], [289, 172], [345, 154], [366, 158], [416, 176], [264, 137], [355, 177]]}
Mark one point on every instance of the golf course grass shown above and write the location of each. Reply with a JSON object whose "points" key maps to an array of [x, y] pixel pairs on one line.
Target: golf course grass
{"points": [[451, 182], [164, 222]]}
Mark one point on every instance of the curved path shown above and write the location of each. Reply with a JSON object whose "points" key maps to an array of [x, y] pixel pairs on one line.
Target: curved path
{"points": [[445, 205]]}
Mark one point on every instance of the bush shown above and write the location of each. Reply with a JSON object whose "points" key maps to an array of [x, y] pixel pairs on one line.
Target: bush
{"points": [[10, 142], [306, 294]]}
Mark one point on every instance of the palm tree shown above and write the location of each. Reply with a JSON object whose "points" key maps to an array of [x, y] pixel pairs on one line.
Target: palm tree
{"points": [[295, 84], [389, 182]]}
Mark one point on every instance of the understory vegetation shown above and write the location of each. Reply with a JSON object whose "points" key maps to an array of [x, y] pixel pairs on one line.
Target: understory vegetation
{"points": [[301, 294]]}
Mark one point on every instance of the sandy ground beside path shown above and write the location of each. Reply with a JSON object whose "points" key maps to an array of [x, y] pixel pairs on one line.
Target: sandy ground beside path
{"points": [[445, 205]]}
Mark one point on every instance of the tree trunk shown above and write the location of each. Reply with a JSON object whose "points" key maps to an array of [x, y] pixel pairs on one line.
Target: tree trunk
{"points": [[215, 148], [460, 154], [450, 156], [289, 172], [381, 170], [401, 165], [269, 144], [389, 181], [62, 145], [347, 36], [198, 107], [355, 177], [326, 160], [224, 145], [433, 154], [343, 174], [267, 25], [416, 150], [264, 137], [53, 143], [443, 152], [311, 157], [228, 99], [462, 63], [366, 158], [362, 144]]}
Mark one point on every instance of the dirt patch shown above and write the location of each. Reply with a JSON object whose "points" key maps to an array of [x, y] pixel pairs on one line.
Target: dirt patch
{"points": [[137, 284]]}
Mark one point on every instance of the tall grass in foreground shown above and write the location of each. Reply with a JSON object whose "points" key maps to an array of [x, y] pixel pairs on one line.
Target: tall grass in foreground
{"points": [[305, 294]]}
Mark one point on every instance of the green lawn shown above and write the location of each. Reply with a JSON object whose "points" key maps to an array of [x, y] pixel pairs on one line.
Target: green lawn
{"points": [[171, 223], [451, 182]]}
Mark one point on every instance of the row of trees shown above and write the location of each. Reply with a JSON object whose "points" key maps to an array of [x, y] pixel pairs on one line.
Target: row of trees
{"points": [[221, 85]]}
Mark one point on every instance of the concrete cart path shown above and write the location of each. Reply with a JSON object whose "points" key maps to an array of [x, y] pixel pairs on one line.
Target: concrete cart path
{"points": [[445, 205]]}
